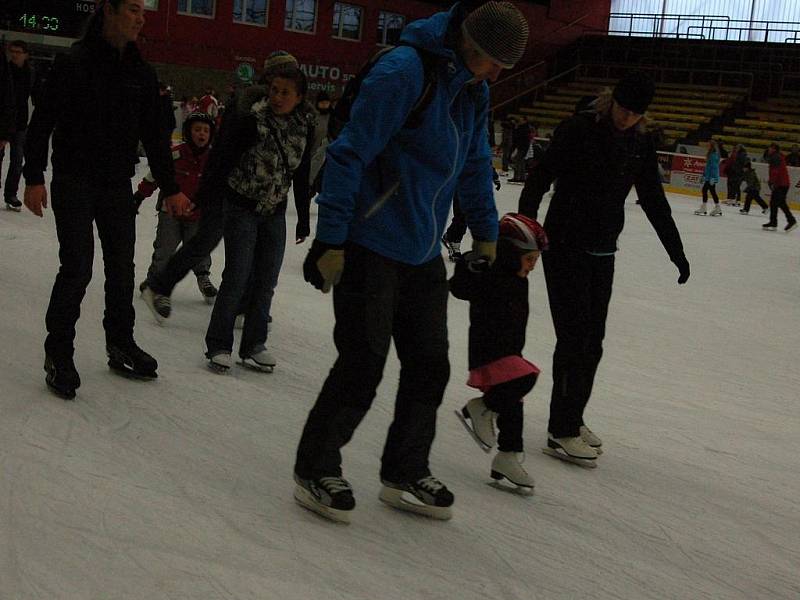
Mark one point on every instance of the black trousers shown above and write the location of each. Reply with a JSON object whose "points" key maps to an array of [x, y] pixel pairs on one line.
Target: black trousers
{"points": [[458, 226], [735, 188], [77, 203], [777, 201], [753, 195], [378, 301], [193, 252], [506, 400], [713, 187], [579, 289]]}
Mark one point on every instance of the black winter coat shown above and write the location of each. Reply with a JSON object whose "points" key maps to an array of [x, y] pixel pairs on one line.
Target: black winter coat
{"points": [[7, 108], [23, 86], [594, 167], [99, 103], [498, 311]]}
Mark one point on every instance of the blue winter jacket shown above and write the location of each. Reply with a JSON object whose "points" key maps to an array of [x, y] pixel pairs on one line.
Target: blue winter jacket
{"points": [[448, 153], [711, 172]]}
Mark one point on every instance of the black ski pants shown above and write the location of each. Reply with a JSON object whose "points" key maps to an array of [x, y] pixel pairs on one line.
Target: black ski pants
{"points": [[378, 301], [753, 195], [506, 400], [77, 203], [778, 201], [191, 253], [579, 289]]}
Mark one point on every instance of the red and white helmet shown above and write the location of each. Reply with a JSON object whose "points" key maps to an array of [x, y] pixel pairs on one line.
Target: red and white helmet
{"points": [[523, 232]]}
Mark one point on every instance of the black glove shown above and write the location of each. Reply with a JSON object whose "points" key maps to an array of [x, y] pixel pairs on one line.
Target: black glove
{"points": [[138, 198], [302, 231], [323, 265], [683, 269]]}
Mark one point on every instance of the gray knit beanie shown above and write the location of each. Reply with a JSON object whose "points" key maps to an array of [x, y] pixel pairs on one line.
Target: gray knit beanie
{"points": [[498, 30]]}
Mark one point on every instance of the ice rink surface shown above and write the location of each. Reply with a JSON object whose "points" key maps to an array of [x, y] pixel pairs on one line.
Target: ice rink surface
{"points": [[182, 488]]}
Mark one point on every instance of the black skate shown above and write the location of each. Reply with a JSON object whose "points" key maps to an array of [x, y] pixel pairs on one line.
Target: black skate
{"points": [[13, 204], [453, 249], [431, 498], [62, 377], [207, 289], [329, 497], [159, 305], [131, 361]]}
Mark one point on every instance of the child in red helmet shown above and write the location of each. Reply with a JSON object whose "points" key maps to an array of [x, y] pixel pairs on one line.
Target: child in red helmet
{"points": [[498, 317], [190, 159]]}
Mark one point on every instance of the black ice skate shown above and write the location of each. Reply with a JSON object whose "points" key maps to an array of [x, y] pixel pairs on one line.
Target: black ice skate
{"points": [[430, 497], [207, 289], [131, 361], [329, 497], [13, 204], [62, 377], [453, 249], [159, 305]]}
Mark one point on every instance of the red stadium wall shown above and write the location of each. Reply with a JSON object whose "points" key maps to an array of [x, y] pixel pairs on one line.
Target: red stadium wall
{"points": [[219, 43]]}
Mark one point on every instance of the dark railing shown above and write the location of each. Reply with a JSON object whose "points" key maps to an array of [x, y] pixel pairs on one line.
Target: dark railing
{"points": [[708, 27]]}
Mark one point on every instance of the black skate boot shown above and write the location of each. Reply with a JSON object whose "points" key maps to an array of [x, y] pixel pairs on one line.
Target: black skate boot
{"points": [[62, 377], [13, 204], [131, 361], [207, 289], [453, 249], [329, 497], [431, 497]]}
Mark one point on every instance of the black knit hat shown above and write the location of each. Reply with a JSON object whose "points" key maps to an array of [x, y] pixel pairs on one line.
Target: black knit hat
{"points": [[498, 30], [635, 92]]}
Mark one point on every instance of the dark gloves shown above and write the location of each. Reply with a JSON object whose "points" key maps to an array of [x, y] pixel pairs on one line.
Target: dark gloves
{"points": [[301, 232], [323, 265], [683, 269], [138, 198]]}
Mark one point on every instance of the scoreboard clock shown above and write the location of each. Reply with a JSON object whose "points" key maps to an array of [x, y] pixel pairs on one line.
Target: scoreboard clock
{"points": [[63, 18]]}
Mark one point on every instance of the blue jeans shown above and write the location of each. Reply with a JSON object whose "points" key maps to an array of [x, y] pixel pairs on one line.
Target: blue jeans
{"points": [[254, 247]]}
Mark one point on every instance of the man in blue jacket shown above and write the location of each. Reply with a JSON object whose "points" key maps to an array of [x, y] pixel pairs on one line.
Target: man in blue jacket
{"points": [[384, 205]]}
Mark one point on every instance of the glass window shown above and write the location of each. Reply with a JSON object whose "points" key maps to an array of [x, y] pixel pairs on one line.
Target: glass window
{"points": [[301, 15], [151, 4], [389, 27], [250, 11], [347, 21], [203, 8]]}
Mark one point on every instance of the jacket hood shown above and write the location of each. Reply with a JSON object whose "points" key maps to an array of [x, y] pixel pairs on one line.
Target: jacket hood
{"points": [[436, 33]]}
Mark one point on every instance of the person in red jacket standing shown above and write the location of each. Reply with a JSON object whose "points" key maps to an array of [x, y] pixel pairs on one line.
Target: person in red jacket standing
{"points": [[779, 184], [190, 159]]}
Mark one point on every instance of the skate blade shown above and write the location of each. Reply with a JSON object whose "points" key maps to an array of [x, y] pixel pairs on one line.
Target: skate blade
{"points": [[63, 394], [481, 444], [304, 498], [14, 208], [587, 463], [129, 373], [254, 366], [394, 498], [508, 486], [218, 369]]}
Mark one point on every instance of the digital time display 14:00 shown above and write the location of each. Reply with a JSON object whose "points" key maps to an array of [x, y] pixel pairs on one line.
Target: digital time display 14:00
{"points": [[34, 22]]}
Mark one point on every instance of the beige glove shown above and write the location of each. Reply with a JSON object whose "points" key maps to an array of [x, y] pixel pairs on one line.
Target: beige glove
{"points": [[487, 249], [330, 266]]}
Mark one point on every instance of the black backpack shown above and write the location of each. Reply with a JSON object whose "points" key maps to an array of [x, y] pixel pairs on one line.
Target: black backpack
{"points": [[340, 115]]}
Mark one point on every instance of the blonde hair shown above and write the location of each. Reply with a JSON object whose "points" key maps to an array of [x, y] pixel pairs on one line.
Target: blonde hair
{"points": [[604, 104]]}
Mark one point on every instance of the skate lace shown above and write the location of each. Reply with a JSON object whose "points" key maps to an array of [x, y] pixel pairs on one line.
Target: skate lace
{"points": [[334, 485], [430, 484]]}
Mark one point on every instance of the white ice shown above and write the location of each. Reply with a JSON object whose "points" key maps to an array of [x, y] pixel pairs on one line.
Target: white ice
{"points": [[182, 488]]}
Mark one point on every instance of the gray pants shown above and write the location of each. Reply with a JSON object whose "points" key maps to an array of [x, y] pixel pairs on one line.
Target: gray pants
{"points": [[169, 233]]}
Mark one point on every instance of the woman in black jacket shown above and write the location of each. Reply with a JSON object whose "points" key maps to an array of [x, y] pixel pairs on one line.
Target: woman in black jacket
{"points": [[100, 100], [585, 217]]}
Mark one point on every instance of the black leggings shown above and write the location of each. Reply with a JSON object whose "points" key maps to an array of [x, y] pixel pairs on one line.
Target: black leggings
{"points": [[713, 187], [506, 400]]}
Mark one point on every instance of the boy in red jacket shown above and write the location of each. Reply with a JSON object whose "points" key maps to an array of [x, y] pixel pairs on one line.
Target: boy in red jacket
{"points": [[190, 159], [779, 184]]}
